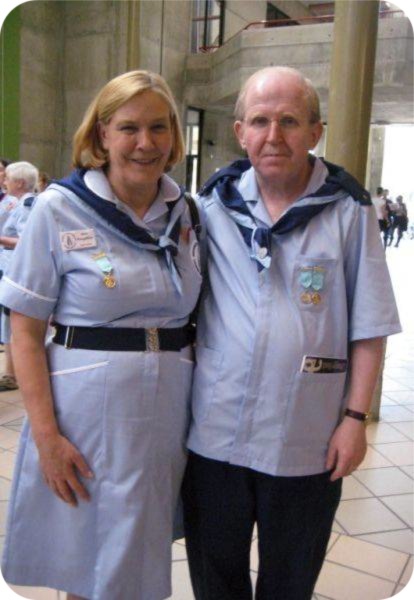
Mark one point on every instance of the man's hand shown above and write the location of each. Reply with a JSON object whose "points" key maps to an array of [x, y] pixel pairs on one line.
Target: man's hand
{"points": [[59, 461], [347, 448]]}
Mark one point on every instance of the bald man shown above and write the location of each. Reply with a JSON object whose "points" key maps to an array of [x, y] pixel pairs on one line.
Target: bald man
{"points": [[297, 302]]}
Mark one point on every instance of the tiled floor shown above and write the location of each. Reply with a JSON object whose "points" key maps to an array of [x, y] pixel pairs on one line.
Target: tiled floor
{"points": [[370, 556]]}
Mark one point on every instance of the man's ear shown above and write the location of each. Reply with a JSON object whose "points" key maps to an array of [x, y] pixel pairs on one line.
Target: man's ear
{"points": [[317, 131], [238, 128]]}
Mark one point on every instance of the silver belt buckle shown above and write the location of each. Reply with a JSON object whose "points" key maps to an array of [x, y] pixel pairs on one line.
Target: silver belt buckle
{"points": [[152, 340], [69, 337]]}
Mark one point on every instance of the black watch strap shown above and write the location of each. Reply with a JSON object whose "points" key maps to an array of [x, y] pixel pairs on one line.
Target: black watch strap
{"points": [[355, 414]]}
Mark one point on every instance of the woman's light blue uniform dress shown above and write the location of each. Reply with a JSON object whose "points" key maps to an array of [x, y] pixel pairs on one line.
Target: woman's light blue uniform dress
{"points": [[127, 412]]}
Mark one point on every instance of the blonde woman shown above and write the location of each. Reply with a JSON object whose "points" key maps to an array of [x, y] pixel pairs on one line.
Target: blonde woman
{"points": [[110, 254]]}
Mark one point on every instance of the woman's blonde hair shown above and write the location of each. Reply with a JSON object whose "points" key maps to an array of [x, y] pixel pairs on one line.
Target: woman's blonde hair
{"points": [[87, 148]]}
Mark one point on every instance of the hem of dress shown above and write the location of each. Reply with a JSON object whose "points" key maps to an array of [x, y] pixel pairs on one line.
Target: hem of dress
{"points": [[34, 580]]}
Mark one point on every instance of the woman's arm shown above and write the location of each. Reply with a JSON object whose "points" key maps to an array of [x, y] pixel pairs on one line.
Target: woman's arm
{"points": [[59, 459], [8, 242]]}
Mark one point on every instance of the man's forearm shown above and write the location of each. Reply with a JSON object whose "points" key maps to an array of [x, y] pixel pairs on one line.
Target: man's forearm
{"points": [[365, 359]]}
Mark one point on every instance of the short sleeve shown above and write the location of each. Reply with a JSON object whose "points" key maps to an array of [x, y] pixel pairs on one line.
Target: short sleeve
{"points": [[371, 301], [32, 282]]}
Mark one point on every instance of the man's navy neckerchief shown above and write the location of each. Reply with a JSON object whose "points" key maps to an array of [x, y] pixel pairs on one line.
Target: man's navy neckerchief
{"points": [[167, 244], [259, 239]]}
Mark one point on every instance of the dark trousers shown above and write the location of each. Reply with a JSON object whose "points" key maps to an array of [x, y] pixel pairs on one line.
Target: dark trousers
{"points": [[294, 516]]}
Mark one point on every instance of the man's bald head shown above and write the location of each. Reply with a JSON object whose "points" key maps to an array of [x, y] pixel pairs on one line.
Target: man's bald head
{"points": [[278, 73]]}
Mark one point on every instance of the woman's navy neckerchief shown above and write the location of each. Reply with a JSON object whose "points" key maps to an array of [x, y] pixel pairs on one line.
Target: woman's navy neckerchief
{"points": [[259, 239], [166, 244]]}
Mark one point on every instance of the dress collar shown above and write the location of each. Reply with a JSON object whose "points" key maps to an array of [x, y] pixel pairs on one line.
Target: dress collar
{"points": [[168, 191]]}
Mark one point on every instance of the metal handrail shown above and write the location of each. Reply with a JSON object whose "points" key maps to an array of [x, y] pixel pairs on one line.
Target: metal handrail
{"points": [[299, 21]]}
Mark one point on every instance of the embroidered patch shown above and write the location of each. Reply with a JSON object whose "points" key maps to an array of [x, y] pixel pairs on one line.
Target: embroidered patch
{"points": [[78, 239]]}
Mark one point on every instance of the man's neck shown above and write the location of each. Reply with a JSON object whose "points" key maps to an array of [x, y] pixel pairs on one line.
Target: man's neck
{"points": [[278, 196]]}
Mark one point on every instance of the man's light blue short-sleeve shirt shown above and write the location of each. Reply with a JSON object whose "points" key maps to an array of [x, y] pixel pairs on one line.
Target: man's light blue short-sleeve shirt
{"points": [[253, 403]]}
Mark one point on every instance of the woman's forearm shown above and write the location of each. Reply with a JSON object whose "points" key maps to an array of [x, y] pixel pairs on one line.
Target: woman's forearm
{"points": [[8, 242], [30, 362]]}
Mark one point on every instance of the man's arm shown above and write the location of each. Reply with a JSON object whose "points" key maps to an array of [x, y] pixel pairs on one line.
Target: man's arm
{"points": [[348, 444]]}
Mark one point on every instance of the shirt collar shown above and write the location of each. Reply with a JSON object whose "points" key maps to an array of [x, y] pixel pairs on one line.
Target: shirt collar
{"points": [[97, 182], [249, 189]]}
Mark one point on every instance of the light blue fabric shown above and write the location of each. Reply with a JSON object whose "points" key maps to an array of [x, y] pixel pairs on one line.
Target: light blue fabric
{"points": [[252, 405], [16, 218], [127, 412]]}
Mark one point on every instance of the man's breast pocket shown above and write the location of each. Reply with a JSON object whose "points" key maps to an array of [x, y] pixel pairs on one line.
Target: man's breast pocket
{"points": [[312, 284]]}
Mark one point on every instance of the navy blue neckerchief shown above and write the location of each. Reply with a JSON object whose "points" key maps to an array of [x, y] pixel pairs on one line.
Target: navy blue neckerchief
{"points": [[2, 194], [112, 215], [107, 210], [222, 181]]}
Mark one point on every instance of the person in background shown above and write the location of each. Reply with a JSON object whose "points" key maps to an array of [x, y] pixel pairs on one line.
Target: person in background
{"points": [[20, 183], [380, 209], [111, 255], [400, 220], [389, 209], [3, 164], [289, 345], [44, 181]]}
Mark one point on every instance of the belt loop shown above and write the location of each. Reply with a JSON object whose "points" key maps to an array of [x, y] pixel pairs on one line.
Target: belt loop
{"points": [[152, 340], [69, 336]]}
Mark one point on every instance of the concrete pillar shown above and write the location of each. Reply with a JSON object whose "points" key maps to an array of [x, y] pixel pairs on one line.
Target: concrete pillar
{"points": [[133, 54], [375, 159], [351, 84], [350, 97]]}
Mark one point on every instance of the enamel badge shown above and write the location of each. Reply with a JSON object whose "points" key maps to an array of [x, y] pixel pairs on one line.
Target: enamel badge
{"points": [[107, 269]]}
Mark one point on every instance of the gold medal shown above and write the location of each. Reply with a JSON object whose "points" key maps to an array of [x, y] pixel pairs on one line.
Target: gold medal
{"points": [[306, 298], [109, 281], [316, 298]]}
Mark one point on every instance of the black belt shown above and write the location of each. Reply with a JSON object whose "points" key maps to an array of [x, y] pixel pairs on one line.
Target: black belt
{"points": [[124, 339]]}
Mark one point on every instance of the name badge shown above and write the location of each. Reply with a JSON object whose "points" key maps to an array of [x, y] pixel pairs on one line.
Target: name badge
{"points": [[78, 239], [319, 364]]}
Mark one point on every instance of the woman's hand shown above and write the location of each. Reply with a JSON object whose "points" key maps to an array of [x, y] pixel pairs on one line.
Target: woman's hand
{"points": [[61, 463]]}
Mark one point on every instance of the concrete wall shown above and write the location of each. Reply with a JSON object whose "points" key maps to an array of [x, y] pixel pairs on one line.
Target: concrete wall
{"points": [[218, 129], [95, 46], [241, 12], [71, 49], [41, 84], [214, 80]]}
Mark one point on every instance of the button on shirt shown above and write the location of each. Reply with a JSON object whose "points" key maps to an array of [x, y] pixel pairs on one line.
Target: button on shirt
{"points": [[253, 405]]}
